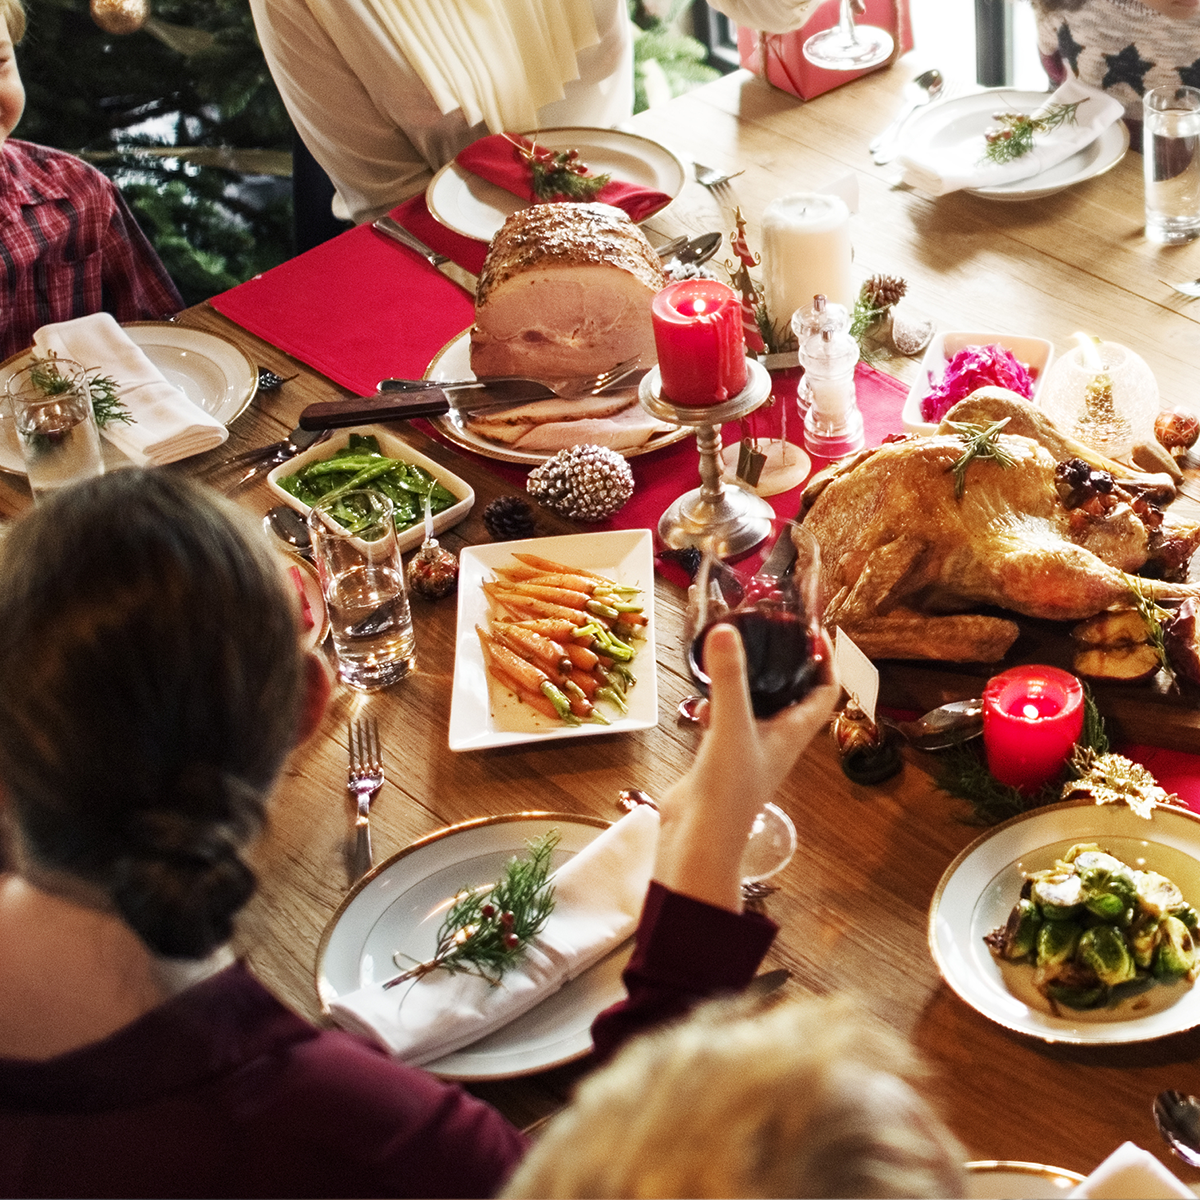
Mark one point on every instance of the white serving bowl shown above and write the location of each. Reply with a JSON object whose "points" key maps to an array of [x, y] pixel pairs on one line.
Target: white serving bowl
{"points": [[1036, 353], [393, 447]]}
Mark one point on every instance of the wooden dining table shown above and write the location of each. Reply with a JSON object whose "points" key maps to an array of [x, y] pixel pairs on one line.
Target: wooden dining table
{"points": [[853, 905]]}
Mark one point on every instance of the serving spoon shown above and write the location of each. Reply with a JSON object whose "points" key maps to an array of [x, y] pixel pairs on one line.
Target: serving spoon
{"points": [[959, 721], [1178, 1119], [289, 526]]}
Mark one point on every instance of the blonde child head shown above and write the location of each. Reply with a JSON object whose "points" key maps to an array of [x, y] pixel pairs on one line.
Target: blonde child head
{"points": [[805, 1099], [13, 12]]}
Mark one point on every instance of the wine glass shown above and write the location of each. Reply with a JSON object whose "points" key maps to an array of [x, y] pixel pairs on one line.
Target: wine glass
{"points": [[846, 46], [778, 616]]}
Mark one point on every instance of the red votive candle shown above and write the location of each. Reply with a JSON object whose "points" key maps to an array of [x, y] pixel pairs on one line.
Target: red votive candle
{"points": [[1032, 717], [701, 346]]}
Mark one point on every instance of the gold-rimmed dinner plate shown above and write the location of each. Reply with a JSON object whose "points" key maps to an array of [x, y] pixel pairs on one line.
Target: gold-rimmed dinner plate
{"points": [[980, 887], [999, 1179], [484, 715], [475, 208], [453, 361], [959, 124], [210, 370], [399, 906]]}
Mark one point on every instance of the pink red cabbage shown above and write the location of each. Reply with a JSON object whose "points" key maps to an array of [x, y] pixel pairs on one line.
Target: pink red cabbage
{"points": [[971, 368]]}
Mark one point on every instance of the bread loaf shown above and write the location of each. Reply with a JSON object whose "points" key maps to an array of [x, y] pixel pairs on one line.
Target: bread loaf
{"points": [[565, 290]]}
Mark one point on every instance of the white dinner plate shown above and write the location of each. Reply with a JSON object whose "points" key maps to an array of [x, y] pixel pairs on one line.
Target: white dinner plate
{"points": [[399, 906], [475, 208], [994, 1179], [982, 884], [211, 372], [453, 361], [959, 125], [483, 717]]}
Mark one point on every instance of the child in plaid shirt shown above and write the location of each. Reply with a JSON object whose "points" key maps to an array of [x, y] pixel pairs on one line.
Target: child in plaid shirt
{"points": [[69, 246]]}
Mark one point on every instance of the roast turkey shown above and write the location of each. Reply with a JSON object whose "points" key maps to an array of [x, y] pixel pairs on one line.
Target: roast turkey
{"points": [[905, 562]]}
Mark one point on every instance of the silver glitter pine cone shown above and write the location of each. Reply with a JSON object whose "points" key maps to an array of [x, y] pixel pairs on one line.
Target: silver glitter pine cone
{"points": [[584, 483]]}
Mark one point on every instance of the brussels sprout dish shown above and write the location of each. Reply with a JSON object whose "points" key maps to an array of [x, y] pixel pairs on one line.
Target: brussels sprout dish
{"points": [[1093, 927]]}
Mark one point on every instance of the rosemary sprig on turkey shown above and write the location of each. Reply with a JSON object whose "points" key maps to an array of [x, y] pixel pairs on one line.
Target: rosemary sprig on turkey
{"points": [[981, 441]]}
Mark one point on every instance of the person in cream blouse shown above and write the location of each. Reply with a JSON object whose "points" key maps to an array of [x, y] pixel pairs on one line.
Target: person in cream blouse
{"points": [[384, 92]]}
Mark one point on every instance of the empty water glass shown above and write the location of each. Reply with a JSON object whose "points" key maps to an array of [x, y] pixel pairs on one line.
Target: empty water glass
{"points": [[51, 407], [362, 578]]}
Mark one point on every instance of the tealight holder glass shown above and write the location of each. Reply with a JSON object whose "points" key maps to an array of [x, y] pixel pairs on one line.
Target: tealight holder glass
{"points": [[724, 518]]}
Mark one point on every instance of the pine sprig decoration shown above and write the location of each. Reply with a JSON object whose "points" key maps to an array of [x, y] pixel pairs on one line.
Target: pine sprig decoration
{"points": [[486, 929], [981, 441], [559, 173], [106, 404], [875, 300], [1013, 137]]}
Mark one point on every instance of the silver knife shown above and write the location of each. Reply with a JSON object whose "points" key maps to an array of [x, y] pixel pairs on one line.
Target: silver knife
{"points": [[429, 401], [447, 266]]}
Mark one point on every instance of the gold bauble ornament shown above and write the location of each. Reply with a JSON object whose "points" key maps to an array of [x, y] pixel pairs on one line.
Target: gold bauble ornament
{"points": [[120, 16]]}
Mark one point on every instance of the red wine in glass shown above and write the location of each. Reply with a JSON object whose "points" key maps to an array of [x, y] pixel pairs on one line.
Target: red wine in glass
{"points": [[782, 662]]}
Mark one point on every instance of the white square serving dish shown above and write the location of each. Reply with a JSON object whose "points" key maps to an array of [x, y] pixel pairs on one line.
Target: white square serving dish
{"points": [[393, 447], [484, 715], [1036, 353]]}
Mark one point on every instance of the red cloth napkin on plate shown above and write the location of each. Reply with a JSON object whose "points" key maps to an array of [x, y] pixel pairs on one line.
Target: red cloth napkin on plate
{"points": [[361, 307], [496, 159]]}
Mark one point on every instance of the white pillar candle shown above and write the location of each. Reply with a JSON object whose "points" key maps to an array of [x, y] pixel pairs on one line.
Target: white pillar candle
{"points": [[806, 252]]}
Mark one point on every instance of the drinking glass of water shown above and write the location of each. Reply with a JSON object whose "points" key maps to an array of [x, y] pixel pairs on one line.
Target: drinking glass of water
{"points": [[51, 406], [362, 578], [1171, 153]]}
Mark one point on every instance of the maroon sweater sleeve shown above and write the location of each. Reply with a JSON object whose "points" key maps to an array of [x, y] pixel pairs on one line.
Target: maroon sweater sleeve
{"points": [[686, 951]]}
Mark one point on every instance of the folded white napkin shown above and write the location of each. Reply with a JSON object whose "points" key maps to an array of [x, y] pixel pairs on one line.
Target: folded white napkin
{"points": [[938, 169], [598, 898], [1131, 1171], [166, 425]]}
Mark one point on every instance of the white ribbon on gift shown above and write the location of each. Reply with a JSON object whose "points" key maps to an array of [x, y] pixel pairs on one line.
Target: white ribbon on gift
{"points": [[599, 895], [941, 169], [166, 425]]}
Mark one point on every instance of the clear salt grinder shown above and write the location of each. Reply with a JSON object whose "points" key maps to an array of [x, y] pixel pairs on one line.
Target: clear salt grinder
{"points": [[833, 425]]}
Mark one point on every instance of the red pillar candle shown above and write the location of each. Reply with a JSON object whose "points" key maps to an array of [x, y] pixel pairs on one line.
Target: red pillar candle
{"points": [[701, 346], [1032, 717]]}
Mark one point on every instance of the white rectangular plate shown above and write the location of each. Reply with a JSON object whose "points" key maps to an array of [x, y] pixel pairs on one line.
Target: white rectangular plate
{"points": [[483, 717]]}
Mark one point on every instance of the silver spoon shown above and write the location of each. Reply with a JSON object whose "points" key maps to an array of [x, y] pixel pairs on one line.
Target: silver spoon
{"points": [[288, 525], [959, 721], [927, 87], [1178, 1119]]}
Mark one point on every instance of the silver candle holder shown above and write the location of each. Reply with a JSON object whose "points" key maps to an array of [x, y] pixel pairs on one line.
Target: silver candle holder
{"points": [[729, 520]]}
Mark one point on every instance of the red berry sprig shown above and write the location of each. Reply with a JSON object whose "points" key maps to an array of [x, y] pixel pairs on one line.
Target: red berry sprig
{"points": [[559, 174]]}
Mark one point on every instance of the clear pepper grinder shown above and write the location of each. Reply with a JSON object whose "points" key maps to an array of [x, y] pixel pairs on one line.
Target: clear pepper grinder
{"points": [[833, 425], [807, 323]]}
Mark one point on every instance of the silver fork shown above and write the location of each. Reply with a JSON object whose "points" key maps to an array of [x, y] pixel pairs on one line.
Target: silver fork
{"points": [[569, 389], [364, 779], [1189, 287], [718, 184]]}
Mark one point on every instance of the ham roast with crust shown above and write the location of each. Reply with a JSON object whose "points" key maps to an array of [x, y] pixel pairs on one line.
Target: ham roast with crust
{"points": [[565, 290]]}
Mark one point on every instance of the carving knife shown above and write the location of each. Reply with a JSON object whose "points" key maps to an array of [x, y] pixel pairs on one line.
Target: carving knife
{"points": [[448, 267]]}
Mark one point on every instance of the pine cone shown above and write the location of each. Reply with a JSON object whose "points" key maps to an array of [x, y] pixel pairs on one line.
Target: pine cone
{"points": [[882, 291], [585, 483], [509, 519]]}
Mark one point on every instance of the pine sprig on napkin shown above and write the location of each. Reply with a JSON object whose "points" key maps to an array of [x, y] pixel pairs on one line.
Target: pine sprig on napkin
{"points": [[559, 173], [1013, 136], [486, 929], [106, 404]]}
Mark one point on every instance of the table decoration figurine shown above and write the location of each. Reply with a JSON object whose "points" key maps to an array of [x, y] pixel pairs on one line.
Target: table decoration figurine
{"points": [[701, 360], [1032, 718], [833, 424], [1102, 393]]}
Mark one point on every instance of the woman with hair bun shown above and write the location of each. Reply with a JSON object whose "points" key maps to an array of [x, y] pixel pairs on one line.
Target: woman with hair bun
{"points": [[151, 686]]}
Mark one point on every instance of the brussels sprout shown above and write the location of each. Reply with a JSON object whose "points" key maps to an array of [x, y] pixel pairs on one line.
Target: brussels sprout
{"points": [[1103, 949], [1056, 942], [1059, 897], [1075, 997], [1109, 907], [1157, 894], [1020, 934], [1188, 915], [1082, 848], [1143, 937], [1175, 954]]}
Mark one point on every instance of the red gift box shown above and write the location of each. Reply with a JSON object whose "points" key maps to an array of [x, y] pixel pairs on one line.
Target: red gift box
{"points": [[779, 57]]}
